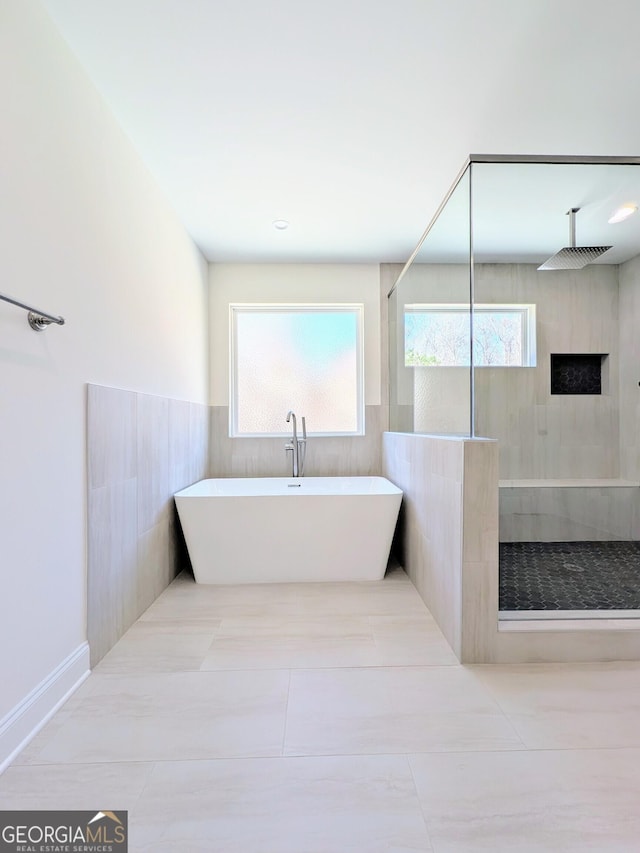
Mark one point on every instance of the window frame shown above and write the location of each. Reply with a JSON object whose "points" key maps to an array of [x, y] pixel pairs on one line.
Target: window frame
{"points": [[236, 308], [527, 312]]}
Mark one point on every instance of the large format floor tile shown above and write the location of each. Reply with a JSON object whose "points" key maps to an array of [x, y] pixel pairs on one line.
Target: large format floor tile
{"points": [[324, 640], [392, 710], [568, 705], [285, 805], [73, 786], [382, 598], [186, 602], [531, 802], [60, 719], [313, 718], [159, 647], [270, 643], [173, 716], [410, 639]]}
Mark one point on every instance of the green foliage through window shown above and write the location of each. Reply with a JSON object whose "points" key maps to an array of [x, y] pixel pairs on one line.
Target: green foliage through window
{"points": [[440, 335]]}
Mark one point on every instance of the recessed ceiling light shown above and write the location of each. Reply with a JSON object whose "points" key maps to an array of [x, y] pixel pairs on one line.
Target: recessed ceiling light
{"points": [[280, 224], [623, 213]]}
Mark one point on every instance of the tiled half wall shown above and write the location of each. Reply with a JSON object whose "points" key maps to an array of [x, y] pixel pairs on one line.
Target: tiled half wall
{"points": [[448, 531], [140, 450]]}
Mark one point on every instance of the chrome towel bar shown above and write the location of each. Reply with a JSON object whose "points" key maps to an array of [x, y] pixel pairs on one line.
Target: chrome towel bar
{"points": [[38, 320]]}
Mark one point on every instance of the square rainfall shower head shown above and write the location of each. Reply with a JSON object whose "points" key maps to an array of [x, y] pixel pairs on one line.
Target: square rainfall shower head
{"points": [[573, 257]]}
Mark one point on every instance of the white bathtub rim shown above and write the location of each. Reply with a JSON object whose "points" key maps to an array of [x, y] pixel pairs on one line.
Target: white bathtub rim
{"points": [[287, 487]]}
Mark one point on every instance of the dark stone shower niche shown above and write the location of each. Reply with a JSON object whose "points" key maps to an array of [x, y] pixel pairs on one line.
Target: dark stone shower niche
{"points": [[576, 374]]}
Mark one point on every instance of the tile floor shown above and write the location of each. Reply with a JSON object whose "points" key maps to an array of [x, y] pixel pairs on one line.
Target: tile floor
{"points": [[570, 575], [333, 718]]}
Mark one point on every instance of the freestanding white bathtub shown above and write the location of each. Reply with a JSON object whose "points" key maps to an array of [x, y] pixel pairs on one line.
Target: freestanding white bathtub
{"points": [[279, 529]]}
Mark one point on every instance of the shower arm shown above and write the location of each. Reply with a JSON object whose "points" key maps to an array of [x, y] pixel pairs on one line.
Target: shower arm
{"points": [[572, 226]]}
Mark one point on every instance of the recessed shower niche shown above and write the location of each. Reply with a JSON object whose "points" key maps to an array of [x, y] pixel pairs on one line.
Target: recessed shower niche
{"points": [[578, 373]]}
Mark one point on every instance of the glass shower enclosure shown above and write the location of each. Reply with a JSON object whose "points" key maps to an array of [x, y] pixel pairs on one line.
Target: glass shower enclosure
{"points": [[517, 318]]}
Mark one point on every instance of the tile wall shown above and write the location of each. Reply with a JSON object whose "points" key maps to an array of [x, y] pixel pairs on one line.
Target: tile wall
{"points": [[339, 456], [448, 530], [630, 369], [572, 514], [140, 450], [541, 435], [544, 435]]}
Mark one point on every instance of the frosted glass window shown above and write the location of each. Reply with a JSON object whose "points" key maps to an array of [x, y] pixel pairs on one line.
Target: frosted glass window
{"points": [[306, 358], [440, 335]]}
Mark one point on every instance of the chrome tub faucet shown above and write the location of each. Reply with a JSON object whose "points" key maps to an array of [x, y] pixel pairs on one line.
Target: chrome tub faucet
{"points": [[297, 446]]}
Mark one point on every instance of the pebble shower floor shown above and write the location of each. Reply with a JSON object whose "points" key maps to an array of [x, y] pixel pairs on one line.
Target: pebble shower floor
{"points": [[570, 575]]}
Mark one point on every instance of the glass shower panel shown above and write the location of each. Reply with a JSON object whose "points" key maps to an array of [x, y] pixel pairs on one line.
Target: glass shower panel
{"points": [[554, 378], [429, 327]]}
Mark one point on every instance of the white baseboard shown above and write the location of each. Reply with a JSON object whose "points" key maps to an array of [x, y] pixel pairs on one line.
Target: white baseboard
{"points": [[24, 721]]}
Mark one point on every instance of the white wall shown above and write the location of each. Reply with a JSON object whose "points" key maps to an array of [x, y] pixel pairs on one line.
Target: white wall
{"points": [[86, 233], [293, 283]]}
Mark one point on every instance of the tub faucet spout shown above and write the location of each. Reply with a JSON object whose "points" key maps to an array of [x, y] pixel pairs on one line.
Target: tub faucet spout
{"points": [[297, 446], [293, 444]]}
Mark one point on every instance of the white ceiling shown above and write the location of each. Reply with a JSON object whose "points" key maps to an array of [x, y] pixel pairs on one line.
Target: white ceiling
{"points": [[350, 118], [520, 213]]}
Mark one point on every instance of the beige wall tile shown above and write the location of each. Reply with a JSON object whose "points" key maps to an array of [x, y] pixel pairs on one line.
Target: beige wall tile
{"points": [[338, 456], [541, 435], [199, 442], [449, 531], [112, 560], [136, 545], [480, 506], [154, 570], [630, 369], [111, 435], [180, 464], [544, 435], [153, 460], [429, 472], [530, 514]]}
